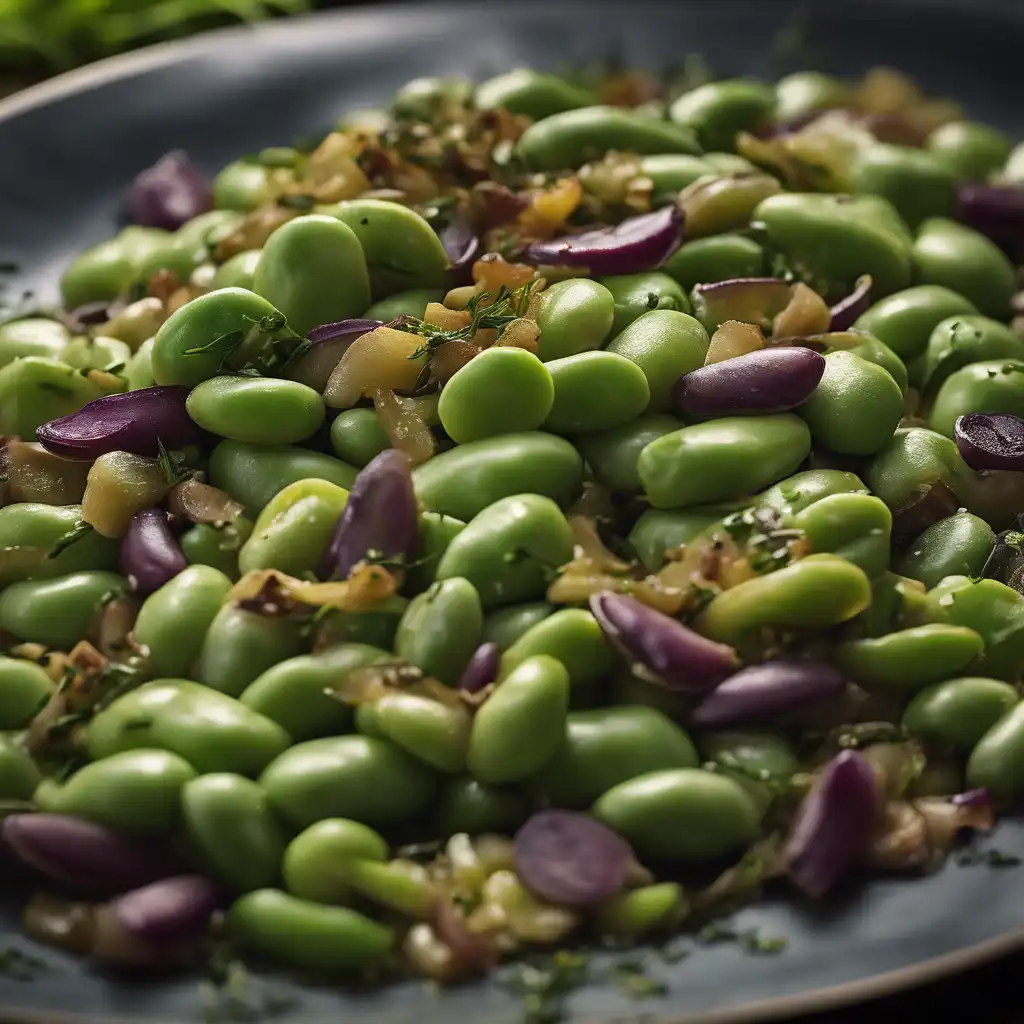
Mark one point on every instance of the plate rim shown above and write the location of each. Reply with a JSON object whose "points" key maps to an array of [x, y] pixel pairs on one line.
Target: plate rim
{"points": [[167, 54]]}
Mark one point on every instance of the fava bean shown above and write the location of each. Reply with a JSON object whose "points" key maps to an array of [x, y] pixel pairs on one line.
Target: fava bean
{"points": [[239, 271], [913, 180], [958, 712], [24, 688], [959, 340], [505, 626], [532, 93], [856, 527], [469, 806], [441, 629], [33, 336], [594, 391], [413, 302], [574, 316], [994, 385], [636, 294], [19, 774], [716, 258], [612, 454], [718, 111], [35, 525], [958, 545], [997, 761], [970, 150], [358, 437], [241, 186]]}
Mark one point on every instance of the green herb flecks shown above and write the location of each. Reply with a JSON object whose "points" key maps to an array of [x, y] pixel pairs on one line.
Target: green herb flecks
{"points": [[19, 965], [172, 465], [545, 987], [73, 536]]}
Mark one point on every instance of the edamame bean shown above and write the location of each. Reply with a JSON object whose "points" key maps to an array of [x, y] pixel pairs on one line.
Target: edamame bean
{"points": [[913, 180], [636, 294], [962, 259], [364, 778], [815, 592], [173, 621], [665, 344], [293, 529], [34, 390], [855, 408], [519, 728], [531, 93], [604, 747], [33, 336], [970, 150], [838, 238], [256, 410], [958, 712], [469, 806], [30, 524], [680, 815], [292, 692], [505, 626], [467, 479], [212, 731], [571, 138], [959, 340], [716, 258], [24, 688], [241, 645], [594, 391], [612, 454], [574, 316], [61, 611], [572, 637], [994, 385], [905, 320], [722, 459], [509, 551], [501, 391], [137, 792], [719, 111], [358, 437], [441, 629], [958, 545], [313, 269], [997, 762], [402, 250], [413, 302], [307, 936], [232, 831], [856, 527], [253, 474], [195, 341], [910, 658]]}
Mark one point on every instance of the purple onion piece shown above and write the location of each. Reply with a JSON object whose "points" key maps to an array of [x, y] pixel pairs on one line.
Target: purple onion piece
{"points": [[637, 244], [482, 669], [834, 825], [463, 248], [381, 515], [150, 554], [170, 193], [990, 440], [136, 422], [846, 311], [674, 655], [972, 798], [749, 299], [90, 315], [569, 858], [329, 343], [172, 910], [84, 855], [997, 211], [760, 692], [766, 381]]}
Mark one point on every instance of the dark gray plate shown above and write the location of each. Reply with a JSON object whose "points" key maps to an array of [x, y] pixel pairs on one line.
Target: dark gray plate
{"points": [[67, 149]]}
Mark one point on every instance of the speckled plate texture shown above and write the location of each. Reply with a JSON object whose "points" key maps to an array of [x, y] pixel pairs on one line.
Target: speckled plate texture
{"points": [[68, 148]]}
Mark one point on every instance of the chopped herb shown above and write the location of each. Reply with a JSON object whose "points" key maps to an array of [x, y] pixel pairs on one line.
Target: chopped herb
{"points": [[8, 267], [75, 534], [295, 201], [544, 989], [991, 857], [138, 722], [750, 940], [631, 978], [229, 342], [172, 465], [675, 949]]}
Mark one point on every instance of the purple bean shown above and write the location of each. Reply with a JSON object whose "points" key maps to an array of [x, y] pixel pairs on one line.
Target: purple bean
{"points": [[150, 555], [381, 515], [637, 244], [569, 858], [170, 193], [171, 910], [997, 211], [482, 669], [329, 343], [137, 422], [765, 381], [85, 855], [760, 692], [463, 248], [990, 440], [834, 826], [676, 656], [847, 310]]}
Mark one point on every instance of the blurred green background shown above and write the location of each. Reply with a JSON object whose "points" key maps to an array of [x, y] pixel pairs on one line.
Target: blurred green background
{"points": [[40, 38]]}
